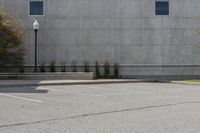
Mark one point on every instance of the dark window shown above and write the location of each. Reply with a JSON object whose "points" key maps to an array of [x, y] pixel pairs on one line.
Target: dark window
{"points": [[162, 8], [36, 8]]}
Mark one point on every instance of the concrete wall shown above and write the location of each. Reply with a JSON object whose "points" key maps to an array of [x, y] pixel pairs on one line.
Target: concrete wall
{"points": [[123, 31]]}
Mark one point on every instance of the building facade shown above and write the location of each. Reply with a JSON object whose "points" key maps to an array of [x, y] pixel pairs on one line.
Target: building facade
{"points": [[146, 37]]}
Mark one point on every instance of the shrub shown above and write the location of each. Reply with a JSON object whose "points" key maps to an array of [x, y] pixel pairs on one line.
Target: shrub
{"points": [[106, 70], [97, 73], [42, 67], [52, 66], [74, 66], [116, 70], [94, 76], [63, 67], [86, 67]]}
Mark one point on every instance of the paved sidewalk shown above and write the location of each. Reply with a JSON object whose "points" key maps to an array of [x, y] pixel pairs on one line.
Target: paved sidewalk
{"points": [[186, 82], [14, 83]]}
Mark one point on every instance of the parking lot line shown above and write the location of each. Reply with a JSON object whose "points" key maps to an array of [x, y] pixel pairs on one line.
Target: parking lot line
{"points": [[22, 98], [75, 93]]}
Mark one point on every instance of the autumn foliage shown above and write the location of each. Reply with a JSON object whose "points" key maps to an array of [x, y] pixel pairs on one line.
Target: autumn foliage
{"points": [[11, 41]]}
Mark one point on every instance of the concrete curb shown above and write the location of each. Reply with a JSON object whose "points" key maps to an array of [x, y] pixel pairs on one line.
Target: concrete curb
{"points": [[58, 82], [80, 82], [48, 76], [185, 83]]}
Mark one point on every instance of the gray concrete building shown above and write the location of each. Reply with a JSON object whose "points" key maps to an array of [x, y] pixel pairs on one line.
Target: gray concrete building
{"points": [[146, 37]]}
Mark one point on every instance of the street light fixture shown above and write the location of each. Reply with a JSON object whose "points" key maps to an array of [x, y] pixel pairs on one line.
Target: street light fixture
{"points": [[36, 27]]}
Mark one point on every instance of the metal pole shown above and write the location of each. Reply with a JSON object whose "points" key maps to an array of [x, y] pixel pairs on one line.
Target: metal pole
{"points": [[35, 68]]}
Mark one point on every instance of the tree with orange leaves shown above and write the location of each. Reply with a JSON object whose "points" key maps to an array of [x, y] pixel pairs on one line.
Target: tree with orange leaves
{"points": [[11, 41]]}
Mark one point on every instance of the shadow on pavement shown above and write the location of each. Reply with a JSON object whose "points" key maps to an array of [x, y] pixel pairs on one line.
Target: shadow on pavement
{"points": [[22, 90]]}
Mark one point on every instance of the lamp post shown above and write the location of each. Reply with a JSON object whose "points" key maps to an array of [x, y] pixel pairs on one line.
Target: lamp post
{"points": [[36, 27]]}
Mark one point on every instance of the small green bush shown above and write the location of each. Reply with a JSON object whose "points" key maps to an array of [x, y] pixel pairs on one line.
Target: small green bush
{"points": [[42, 67], [86, 67], [97, 73], [63, 67], [74, 69], [94, 76], [106, 70], [52, 66], [116, 70]]}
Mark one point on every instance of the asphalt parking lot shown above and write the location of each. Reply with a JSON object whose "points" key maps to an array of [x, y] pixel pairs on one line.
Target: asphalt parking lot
{"points": [[109, 108]]}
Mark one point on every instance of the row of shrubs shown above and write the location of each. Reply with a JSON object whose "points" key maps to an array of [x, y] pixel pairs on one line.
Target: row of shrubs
{"points": [[106, 73]]}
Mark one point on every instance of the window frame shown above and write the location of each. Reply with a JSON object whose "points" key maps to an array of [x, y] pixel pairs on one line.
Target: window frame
{"points": [[29, 8], [168, 1]]}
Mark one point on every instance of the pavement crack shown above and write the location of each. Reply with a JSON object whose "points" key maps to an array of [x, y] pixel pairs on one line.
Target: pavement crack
{"points": [[96, 114]]}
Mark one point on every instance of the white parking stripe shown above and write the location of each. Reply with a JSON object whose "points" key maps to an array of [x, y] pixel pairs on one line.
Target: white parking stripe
{"points": [[22, 98], [75, 93]]}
